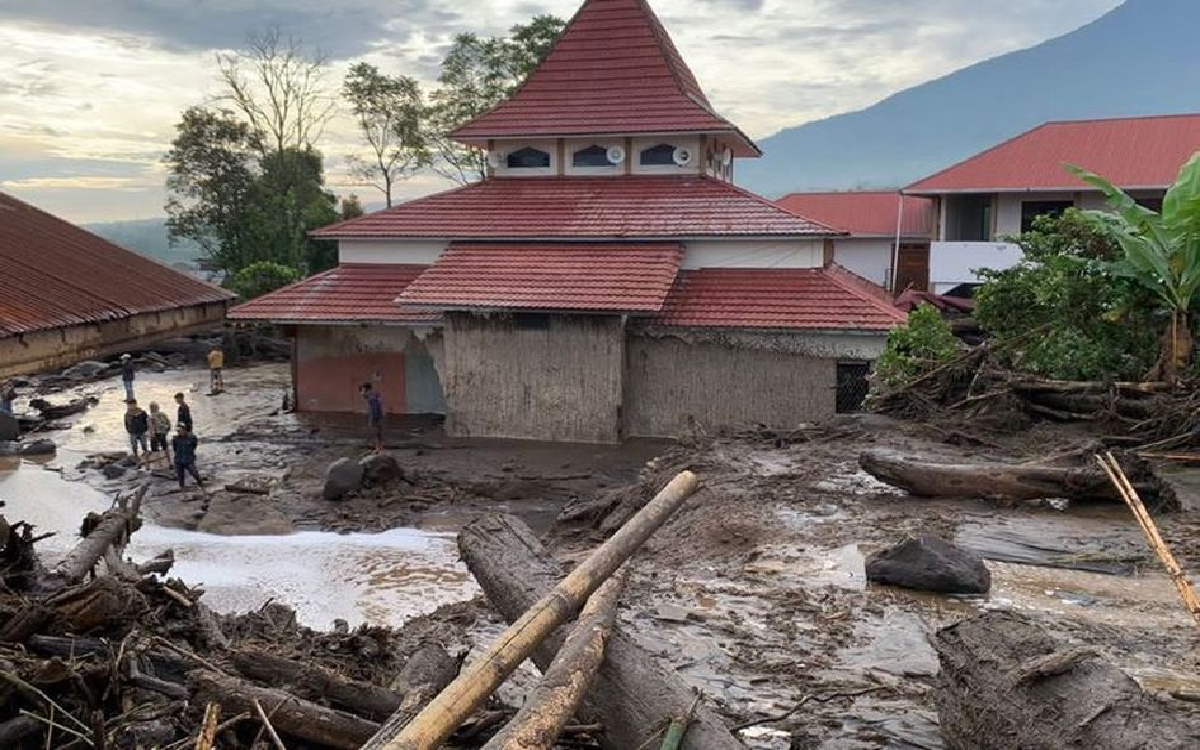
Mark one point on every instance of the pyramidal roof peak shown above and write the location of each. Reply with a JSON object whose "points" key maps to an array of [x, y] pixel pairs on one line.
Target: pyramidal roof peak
{"points": [[613, 71]]}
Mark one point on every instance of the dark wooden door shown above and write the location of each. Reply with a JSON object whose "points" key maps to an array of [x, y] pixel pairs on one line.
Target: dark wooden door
{"points": [[912, 268]]}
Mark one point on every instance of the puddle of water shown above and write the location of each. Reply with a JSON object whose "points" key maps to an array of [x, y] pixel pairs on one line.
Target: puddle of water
{"points": [[378, 579], [1103, 541]]}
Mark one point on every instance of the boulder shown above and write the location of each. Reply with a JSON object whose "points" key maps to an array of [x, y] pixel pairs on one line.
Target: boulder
{"points": [[85, 370], [380, 469], [10, 428], [113, 471], [929, 563], [32, 448], [343, 476]]}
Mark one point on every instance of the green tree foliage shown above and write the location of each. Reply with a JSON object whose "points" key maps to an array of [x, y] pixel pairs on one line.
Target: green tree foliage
{"points": [[1161, 253], [477, 74], [1060, 313], [351, 207], [389, 111], [917, 347], [262, 277]]}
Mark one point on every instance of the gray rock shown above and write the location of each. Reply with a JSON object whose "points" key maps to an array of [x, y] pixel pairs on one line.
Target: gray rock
{"points": [[928, 563], [113, 471], [85, 370], [10, 428], [343, 476], [380, 469], [39, 448]]}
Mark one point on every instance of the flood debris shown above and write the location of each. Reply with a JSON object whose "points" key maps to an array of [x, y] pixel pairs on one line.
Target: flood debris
{"points": [[1005, 683], [929, 563]]}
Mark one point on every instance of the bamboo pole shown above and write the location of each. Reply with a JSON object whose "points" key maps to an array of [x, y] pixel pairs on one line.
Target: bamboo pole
{"points": [[453, 705], [550, 706], [1131, 498]]}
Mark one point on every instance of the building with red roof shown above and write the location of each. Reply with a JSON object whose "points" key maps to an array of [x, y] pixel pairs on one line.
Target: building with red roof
{"points": [[67, 295], [996, 194], [605, 279], [884, 231]]}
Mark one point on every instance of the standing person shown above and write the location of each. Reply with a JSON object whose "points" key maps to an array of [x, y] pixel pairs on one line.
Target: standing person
{"points": [[137, 424], [183, 415], [184, 445], [128, 375], [8, 396], [216, 364], [160, 431], [374, 413]]}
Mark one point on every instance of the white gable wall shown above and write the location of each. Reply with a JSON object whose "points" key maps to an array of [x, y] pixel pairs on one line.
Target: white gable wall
{"points": [[869, 257], [753, 253]]}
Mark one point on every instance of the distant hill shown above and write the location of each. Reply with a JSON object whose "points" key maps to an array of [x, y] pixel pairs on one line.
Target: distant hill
{"points": [[1141, 58], [148, 237]]}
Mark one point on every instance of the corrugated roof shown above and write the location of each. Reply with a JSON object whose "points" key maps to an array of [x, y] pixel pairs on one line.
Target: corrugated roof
{"points": [[865, 213], [350, 293], [611, 277], [54, 274], [614, 71], [1131, 152], [601, 208], [828, 298]]}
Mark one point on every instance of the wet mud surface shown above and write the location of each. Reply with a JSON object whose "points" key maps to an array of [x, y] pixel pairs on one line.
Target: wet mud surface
{"points": [[755, 592]]}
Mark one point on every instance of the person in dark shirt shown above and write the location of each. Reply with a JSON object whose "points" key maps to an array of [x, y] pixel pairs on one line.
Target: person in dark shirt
{"points": [[183, 445], [128, 375], [374, 413], [137, 424], [183, 415]]}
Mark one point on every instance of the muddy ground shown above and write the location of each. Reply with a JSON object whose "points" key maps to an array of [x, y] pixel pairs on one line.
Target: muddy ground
{"points": [[754, 592]]}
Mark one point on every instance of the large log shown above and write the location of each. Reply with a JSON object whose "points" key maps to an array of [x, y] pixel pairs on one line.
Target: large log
{"points": [[551, 704], [292, 716], [1010, 481], [633, 697], [429, 671], [110, 529], [459, 700], [1005, 683], [315, 682]]}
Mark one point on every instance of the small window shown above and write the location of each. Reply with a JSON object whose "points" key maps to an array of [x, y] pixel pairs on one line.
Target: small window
{"points": [[592, 156], [1154, 204], [1030, 210], [663, 153], [852, 386], [528, 158]]}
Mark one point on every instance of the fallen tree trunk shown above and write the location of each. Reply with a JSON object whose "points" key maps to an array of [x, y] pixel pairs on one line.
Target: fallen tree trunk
{"points": [[1011, 481], [633, 697], [314, 682], [293, 716], [551, 704], [427, 673], [1005, 683], [111, 528], [453, 705]]}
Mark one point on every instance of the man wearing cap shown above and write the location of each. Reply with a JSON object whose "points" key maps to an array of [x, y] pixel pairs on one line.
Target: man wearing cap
{"points": [[128, 373]]}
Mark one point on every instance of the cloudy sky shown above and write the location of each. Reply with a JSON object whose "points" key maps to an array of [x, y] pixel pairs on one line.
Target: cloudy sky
{"points": [[90, 90]]}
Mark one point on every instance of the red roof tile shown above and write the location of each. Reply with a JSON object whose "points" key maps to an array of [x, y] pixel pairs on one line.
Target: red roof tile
{"points": [[1131, 152], [602, 208], [864, 214], [54, 274], [812, 298], [614, 71], [611, 277], [351, 293]]}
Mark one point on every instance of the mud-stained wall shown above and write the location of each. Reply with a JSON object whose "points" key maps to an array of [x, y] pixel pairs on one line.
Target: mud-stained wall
{"points": [[537, 377], [331, 362], [732, 380], [62, 347]]}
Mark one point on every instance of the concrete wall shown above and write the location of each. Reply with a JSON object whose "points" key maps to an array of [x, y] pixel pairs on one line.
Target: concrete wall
{"points": [[516, 379], [954, 263], [869, 257], [333, 361], [714, 379], [753, 253], [61, 347], [417, 252]]}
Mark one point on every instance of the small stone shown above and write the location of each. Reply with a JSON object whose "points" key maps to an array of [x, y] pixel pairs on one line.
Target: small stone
{"points": [[343, 477], [113, 471], [929, 563], [671, 613], [341, 627]]}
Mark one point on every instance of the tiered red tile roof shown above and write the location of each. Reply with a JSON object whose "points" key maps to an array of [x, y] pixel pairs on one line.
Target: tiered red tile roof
{"points": [[350, 293], [828, 298], [611, 277], [602, 208], [1132, 152], [613, 71], [54, 274], [865, 213]]}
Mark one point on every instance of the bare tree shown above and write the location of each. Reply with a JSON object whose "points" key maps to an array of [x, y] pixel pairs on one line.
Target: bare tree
{"points": [[279, 86], [389, 110]]}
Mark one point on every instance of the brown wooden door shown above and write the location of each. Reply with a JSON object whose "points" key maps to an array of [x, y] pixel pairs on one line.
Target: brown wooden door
{"points": [[912, 268]]}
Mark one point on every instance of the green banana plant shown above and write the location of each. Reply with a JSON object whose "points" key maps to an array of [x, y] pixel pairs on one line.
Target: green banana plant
{"points": [[1162, 252]]}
